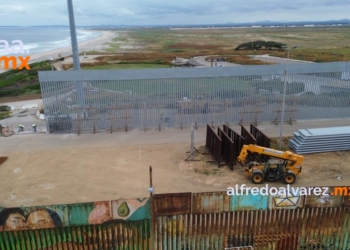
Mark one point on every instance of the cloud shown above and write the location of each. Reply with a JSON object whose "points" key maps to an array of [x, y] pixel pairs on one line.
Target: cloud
{"points": [[9, 9], [50, 12]]}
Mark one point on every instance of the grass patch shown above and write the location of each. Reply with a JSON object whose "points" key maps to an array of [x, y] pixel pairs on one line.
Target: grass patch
{"points": [[317, 55], [112, 47], [127, 66], [5, 112], [316, 44], [274, 142], [4, 115], [22, 82], [206, 171]]}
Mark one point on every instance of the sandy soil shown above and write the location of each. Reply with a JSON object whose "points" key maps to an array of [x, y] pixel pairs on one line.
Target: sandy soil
{"points": [[97, 44], [59, 169]]}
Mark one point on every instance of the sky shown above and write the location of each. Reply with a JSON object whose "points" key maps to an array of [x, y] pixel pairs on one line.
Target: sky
{"points": [[168, 12]]}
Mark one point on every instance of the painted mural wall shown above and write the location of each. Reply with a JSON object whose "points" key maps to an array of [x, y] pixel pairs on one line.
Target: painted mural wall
{"points": [[24, 218], [211, 220]]}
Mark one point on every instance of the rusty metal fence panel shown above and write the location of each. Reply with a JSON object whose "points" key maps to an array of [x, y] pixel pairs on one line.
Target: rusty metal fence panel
{"points": [[227, 149], [237, 139], [3, 159], [108, 236], [261, 140], [172, 204], [286, 229], [249, 139], [211, 220], [211, 202], [214, 144]]}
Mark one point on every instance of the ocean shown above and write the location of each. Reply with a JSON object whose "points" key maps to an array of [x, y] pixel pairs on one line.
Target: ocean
{"points": [[42, 39]]}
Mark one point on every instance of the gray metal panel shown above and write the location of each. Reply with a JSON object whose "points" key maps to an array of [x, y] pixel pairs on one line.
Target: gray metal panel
{"points": [[328, 131], [321, 140]]}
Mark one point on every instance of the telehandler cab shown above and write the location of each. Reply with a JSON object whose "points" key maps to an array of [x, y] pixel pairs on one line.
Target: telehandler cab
{"points": [[285, 167]]}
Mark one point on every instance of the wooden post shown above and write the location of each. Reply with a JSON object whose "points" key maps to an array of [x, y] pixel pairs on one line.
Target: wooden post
{"points": [[152, 208]]}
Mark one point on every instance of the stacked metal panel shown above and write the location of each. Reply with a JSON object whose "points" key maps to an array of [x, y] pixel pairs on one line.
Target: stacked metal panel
{"points": [[319, 140]]}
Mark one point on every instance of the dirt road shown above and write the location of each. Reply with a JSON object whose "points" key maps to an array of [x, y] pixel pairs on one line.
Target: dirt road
{"points": [[45, 169]]}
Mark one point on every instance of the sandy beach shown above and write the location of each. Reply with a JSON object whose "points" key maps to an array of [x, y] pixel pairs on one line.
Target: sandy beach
{"points": [[97, 44]]}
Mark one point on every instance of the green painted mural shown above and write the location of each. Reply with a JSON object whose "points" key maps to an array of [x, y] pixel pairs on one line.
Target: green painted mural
{"points": [[211, 220], [23, 218]]}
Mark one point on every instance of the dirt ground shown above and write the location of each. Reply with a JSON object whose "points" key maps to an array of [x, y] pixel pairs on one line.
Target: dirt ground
{"points": [[60, 169], [20, 98]]}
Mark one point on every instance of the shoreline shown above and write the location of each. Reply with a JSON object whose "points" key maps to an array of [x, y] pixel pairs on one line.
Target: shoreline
{"points": [[94, 44], [97, 44]]}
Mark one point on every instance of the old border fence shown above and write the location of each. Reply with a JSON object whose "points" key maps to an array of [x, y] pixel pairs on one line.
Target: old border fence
{"points": [[185, 221], [214, 145]]}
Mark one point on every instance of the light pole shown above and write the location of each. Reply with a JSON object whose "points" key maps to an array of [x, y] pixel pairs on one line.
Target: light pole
{"points": [[284, 94], [51, 62]]}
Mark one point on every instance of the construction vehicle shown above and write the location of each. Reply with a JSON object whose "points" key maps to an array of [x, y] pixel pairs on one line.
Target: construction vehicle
{"points": [[286, 165]]}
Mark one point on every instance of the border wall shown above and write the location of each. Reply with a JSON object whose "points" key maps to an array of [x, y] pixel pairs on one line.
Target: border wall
{"points": [[211, 220], [113, 100]]}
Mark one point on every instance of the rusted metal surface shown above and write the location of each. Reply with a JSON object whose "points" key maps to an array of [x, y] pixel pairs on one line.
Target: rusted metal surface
{"points": [[211, 220], [237, 139], [172, 204], [346, 200], [326, 200], [3, 159], [110, 235], [261, 140], [227, 149], [289, 229], [214, 144], [211, 202], [249, 139]]}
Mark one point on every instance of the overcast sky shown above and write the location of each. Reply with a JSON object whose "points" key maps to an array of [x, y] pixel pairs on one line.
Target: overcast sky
{"points": [[156, 12]]}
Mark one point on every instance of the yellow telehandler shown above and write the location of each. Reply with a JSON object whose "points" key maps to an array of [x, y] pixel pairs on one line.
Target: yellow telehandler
{"points": [[286, 165]]}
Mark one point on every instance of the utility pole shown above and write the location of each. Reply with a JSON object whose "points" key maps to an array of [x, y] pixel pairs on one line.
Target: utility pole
{"points": [[73, 36], [75, 52], [284, 96]]}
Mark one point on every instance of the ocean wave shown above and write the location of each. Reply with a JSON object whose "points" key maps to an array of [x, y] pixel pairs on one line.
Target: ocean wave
{"points": [[85, 32], [67, 39], [30, 46], [25, 48], [82, 37]]}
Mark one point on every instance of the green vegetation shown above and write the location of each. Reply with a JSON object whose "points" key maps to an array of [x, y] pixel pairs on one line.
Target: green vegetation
{"points": [[113, 46], [316, 44], [229, 87], [4, 112], [128, 66], [338, 99], [260, 45], [22, 82], [317, 55], [274, 143]]}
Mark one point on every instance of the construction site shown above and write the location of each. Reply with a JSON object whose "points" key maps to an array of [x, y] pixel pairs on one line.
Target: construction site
{"points": [[143, 159]]}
